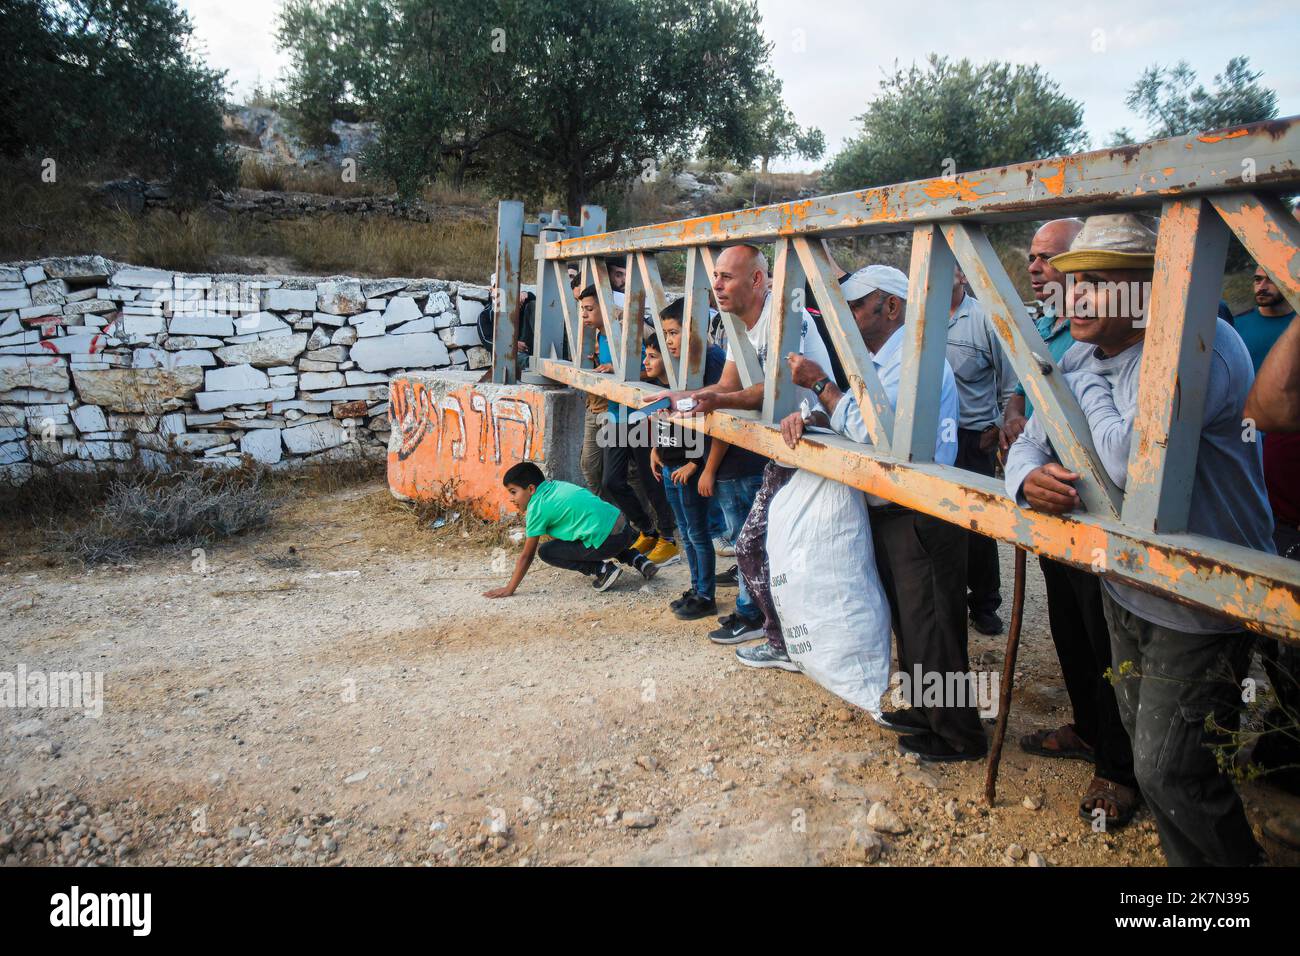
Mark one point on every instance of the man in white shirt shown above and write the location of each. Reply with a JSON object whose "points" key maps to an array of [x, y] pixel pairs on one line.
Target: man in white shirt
{"points": [[921, 559], [740, 285]]}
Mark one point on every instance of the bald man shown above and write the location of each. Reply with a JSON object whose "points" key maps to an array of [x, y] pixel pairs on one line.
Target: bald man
{"points": [[740, 285], [1074, 608]]}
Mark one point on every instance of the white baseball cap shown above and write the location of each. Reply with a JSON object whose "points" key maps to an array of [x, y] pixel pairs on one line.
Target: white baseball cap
{"points": [[865, 281]]}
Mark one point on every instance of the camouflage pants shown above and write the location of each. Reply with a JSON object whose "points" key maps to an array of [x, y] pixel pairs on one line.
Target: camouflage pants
{"points": [[751, 551]]}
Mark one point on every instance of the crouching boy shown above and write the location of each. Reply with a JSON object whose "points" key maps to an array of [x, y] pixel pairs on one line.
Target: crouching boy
{"points": [[589, 534]]}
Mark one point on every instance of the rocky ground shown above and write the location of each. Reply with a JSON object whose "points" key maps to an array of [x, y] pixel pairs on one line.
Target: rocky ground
{"points": [[334, 690]]}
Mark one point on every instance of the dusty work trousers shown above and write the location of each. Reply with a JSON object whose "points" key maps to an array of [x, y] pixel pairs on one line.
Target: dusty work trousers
{"points": [[1279, 751], [1082, 641], [922, 564], [751, 551], [983, 572], [592, 461], [1169, 683]]}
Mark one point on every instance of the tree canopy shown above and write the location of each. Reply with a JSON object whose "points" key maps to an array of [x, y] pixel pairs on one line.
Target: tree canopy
{"points": [[535, 95], [91, 83], [946, 116], [1174, 104]]}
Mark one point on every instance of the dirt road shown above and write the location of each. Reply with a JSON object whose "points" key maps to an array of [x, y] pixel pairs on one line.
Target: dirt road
{"points": [[357, 701]]}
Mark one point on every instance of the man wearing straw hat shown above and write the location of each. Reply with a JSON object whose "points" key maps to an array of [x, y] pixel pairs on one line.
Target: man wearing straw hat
{"points": [[1177, 669]]}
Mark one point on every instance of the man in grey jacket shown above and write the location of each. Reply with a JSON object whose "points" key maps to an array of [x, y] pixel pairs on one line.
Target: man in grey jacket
{"points": [[1177, 668]]}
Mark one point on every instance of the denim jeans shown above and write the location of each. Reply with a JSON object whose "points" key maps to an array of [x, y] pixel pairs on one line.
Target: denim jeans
{"points": [[735, 496], [691, 509], [718, 521]]}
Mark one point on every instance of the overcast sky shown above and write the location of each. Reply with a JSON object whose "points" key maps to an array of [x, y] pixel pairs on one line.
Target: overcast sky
{"points": [[831, 54]]}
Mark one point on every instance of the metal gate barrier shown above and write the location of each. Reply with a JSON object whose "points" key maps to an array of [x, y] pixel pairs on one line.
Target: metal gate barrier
{"points": [[1204, 188]]}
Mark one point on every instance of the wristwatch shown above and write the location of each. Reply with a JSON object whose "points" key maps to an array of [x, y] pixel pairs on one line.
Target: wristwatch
{"points": [[820, 386]]}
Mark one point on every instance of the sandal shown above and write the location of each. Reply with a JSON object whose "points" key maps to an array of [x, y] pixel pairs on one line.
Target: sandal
{"points": [[1124, 799], [1062, 742]]}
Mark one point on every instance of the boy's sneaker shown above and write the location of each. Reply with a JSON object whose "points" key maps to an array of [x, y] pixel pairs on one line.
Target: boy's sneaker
{"points": [[765, 655], [723, 548], [729, 578], [736, 629], [647, 568], [696, 606], [665, 553], [678, 602], [606, 576], [645, 543]]}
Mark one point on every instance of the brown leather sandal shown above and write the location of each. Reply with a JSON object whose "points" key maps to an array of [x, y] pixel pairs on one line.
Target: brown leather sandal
{"points": [[1062, 742], [1124, 799]]}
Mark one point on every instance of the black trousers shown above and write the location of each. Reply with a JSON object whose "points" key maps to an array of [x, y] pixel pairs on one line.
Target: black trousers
{"points": [[983, 573], [576, 556], [1082, 642], [614, 479], [922, 563]]}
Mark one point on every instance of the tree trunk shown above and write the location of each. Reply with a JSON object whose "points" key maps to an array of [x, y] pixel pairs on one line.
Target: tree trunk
{"points": [[762, 169]]}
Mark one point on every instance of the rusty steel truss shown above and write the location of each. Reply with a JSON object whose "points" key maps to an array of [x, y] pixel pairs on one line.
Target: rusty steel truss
{"points": [[1204, 188]]}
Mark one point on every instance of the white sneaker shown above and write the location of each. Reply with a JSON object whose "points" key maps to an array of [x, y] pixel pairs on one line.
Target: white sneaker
{"points": [[723, 548]]}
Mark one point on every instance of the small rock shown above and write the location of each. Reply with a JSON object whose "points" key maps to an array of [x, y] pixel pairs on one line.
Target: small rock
{"points": [[953, 811], [1032, 803], [884, 820], [1036, 859], [843, 715], [356, 777], [639, 821], [239, 833], [1015, 852], [865, 845]]}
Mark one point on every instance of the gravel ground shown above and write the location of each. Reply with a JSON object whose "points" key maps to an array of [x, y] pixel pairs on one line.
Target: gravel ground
{"points": [[334, 690]]}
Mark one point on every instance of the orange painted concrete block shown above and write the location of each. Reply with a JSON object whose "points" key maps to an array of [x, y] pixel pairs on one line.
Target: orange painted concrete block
{"points": [[450, 431]]}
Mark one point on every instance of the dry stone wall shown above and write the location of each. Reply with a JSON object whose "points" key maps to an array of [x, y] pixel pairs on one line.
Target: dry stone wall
{"points": [[106, 365]]}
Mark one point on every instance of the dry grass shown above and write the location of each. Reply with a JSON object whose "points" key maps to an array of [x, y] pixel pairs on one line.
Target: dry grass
{"points": [[462, 250], [172, 511], [255, 173]]}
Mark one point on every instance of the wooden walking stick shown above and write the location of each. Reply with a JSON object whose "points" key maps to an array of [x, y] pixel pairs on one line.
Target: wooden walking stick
{"points": [[1008, 676]]}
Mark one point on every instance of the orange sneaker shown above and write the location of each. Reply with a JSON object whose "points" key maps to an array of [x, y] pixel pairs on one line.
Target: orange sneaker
{"points": [[645, 544]]}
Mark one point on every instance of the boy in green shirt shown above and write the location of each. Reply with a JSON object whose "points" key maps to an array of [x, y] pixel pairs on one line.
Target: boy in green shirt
{"points": [[588, 534]]}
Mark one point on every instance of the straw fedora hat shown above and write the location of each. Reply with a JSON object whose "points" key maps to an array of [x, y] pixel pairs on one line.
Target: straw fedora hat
{"points": [[1121, 241]]}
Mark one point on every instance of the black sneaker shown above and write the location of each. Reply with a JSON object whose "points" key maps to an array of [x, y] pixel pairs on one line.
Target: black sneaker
{"points": [[986, 622], [648, 569], [729, 578], [904, 721], [736, 629], [932, 747], [606, 576], [696, 606], [678, 602]]}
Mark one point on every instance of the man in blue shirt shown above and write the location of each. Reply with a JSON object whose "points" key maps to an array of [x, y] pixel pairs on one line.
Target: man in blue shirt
{"points": [[1261, 326]]}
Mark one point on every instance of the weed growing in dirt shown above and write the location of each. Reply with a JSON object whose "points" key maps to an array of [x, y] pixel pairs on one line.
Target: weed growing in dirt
{"points": [[189, 509]]}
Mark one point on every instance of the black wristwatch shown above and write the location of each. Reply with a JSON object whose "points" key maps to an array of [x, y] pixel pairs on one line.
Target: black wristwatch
{"points": [[819, 387]]}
